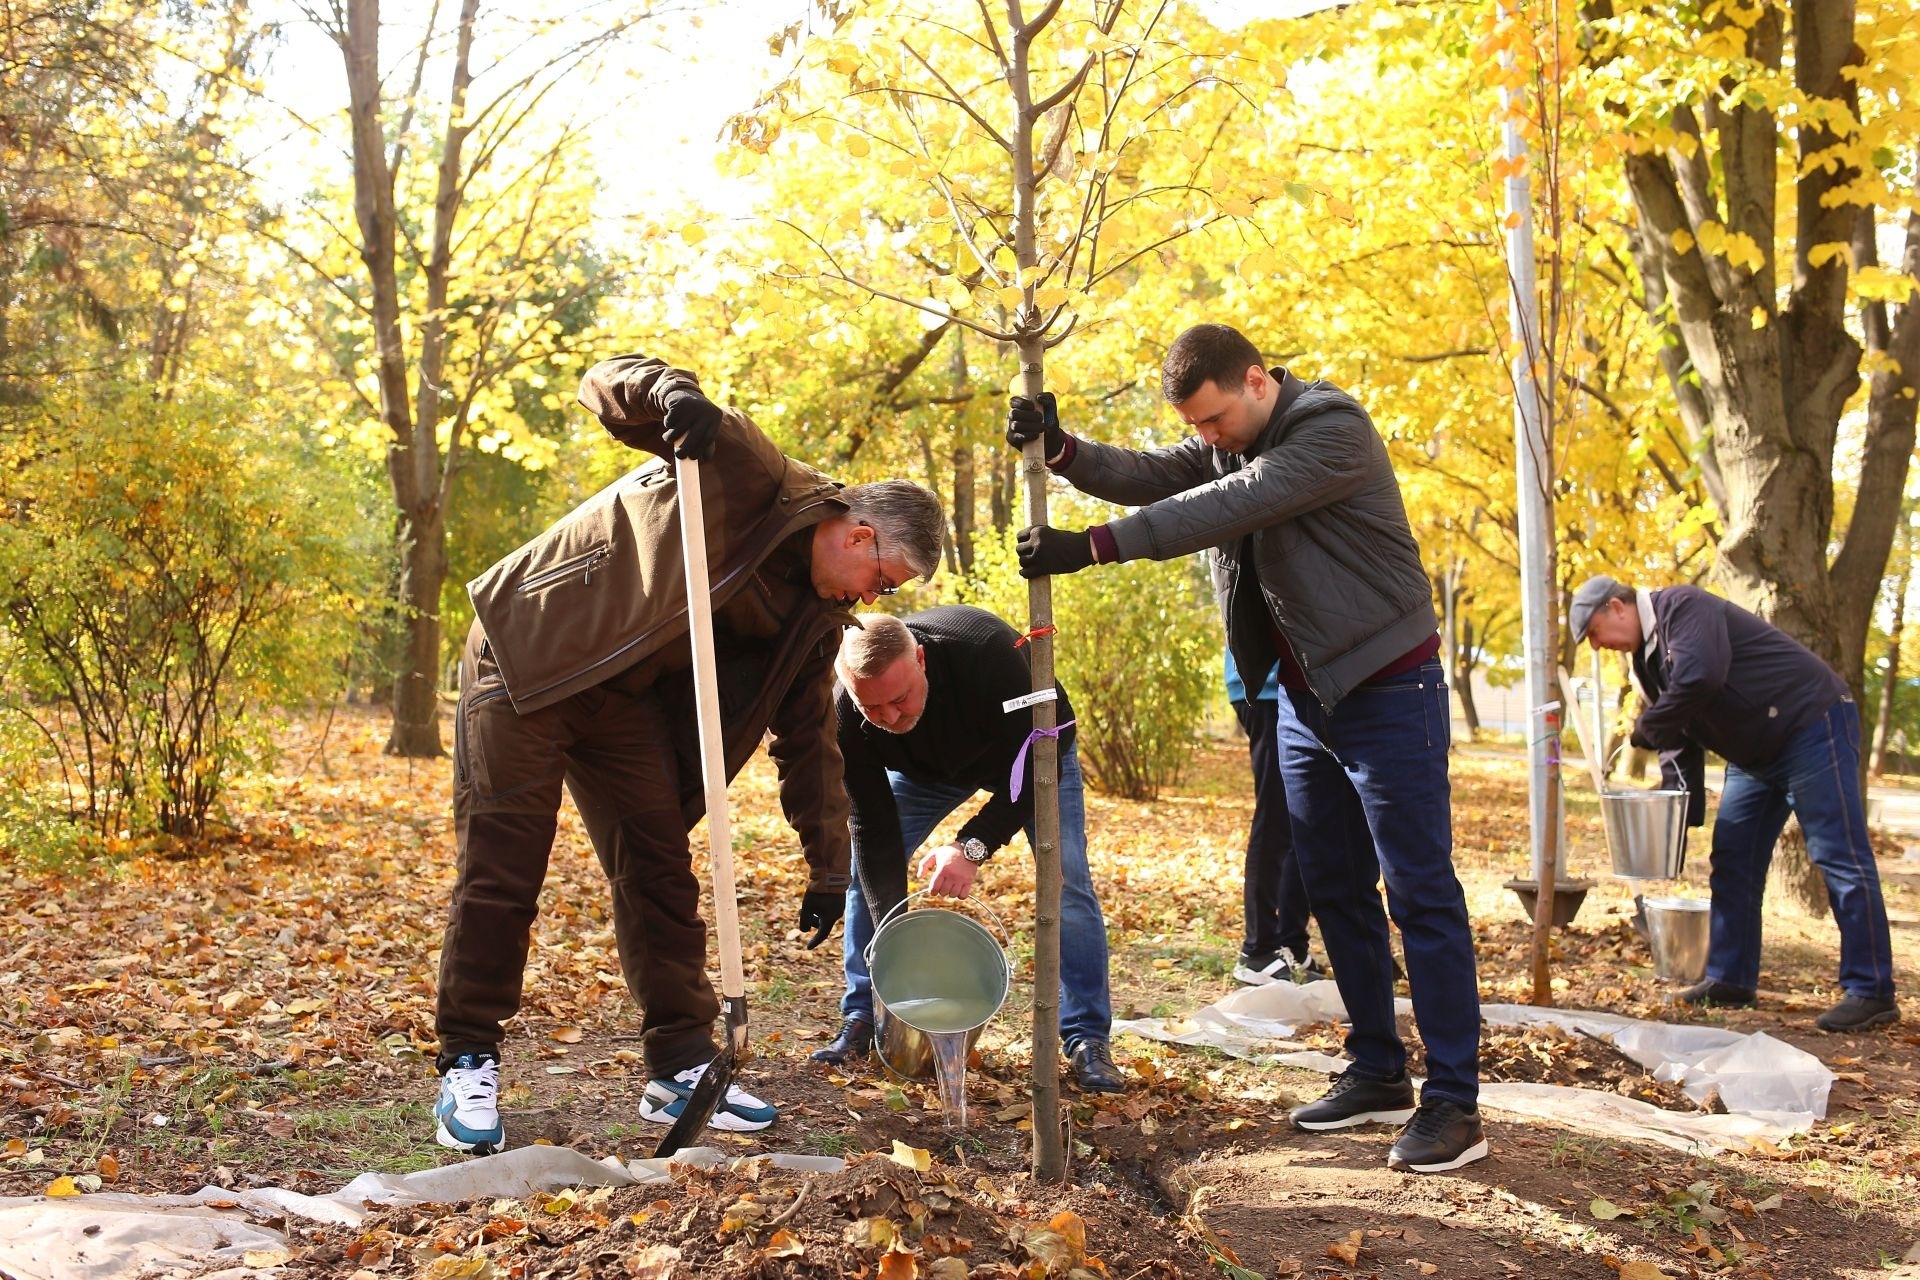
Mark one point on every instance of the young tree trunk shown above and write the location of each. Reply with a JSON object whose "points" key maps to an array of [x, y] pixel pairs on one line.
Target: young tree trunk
{"points": [[1049, 1142]]}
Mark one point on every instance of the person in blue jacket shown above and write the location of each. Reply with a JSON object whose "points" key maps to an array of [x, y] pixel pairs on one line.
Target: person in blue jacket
{"points": [[1275, 899], [1714, 677]]}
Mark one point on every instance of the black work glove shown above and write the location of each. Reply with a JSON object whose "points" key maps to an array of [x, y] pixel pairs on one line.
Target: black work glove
{"points": [[691, 423], [1639, 739], [1045, 551], [1035, 420], [819, 909]]}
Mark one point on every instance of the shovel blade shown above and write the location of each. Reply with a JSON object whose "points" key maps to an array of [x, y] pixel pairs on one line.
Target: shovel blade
{"points": [[706, 1099], [712, 1089]]}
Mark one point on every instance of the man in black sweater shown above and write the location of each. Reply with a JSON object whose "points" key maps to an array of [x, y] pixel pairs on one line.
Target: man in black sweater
{"points": [[1714, 677], [923, 727]]}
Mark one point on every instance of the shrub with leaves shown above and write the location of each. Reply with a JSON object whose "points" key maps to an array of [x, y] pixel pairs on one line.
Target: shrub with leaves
{"points": [[168, 571]]}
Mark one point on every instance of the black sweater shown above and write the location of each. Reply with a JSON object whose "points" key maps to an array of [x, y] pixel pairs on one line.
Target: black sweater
{"points": [[1726, 680], [963, 738]]}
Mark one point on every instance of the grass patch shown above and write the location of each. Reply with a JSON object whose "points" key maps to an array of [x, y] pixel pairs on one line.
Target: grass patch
{"points": [[1572, 1151], [385, 1138], [820, 1142]]}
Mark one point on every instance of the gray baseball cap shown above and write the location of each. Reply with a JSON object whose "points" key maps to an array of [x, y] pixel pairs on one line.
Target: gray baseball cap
{"points": [[1590, 595]]}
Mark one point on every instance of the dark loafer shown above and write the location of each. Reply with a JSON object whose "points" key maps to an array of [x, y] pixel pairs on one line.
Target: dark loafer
{"points": [[854, 1041], [1093, 1069]]}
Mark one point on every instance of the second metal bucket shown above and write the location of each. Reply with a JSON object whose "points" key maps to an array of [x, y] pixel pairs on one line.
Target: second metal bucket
{"points": [[935, 972], [1646, 833], [1678, 930]]}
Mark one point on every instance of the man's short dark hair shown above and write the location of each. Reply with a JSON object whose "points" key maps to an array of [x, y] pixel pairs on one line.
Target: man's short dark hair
{"points": [[1216, 353]]}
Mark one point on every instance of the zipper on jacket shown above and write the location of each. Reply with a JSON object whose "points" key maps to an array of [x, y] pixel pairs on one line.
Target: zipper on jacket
{"points": [[753, 560], [582, 564]]}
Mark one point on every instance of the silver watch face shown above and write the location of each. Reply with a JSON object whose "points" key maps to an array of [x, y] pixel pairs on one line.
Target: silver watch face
{"points": [[974, 850]]}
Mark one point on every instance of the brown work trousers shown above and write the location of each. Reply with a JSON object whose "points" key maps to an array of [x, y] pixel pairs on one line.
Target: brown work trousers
{"points": [[614, 748]]}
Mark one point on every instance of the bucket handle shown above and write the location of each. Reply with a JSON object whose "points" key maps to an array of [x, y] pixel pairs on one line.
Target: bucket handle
{"points": [[1006, 939], [1607, 770]]}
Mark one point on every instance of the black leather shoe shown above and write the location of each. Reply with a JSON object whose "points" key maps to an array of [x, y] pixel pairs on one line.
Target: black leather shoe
{"points": [[854, 1041], [1093, 1069], [1357, 1099], [1714, 993], [1442, 1135], [1859, 1013]]}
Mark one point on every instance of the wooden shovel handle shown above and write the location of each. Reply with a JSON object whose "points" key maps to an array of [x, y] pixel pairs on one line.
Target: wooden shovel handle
{"points": [[713, 760]]}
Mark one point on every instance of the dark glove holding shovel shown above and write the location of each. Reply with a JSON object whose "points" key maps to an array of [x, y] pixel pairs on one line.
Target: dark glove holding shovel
{"points": [[691, 423], [820, 909]]}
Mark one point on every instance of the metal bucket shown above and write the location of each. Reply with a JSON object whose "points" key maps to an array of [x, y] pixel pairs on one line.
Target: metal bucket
{"points": [[1678, 930], [1646, 833], [935, 972]]}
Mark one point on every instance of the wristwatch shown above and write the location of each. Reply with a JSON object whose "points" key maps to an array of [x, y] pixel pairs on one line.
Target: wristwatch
{"points": [[975, 850]]}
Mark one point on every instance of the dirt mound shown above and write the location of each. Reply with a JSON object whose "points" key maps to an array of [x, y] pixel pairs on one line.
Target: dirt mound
{"points": [[896, 1217]]}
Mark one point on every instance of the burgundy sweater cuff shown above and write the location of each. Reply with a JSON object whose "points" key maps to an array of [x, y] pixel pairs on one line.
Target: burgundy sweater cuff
{"points": [[1105, 549], [1063, 459]]}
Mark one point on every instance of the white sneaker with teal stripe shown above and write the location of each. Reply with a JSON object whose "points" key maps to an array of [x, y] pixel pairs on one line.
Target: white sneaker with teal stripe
{"points": [[467, 1113], [741, 1112]]}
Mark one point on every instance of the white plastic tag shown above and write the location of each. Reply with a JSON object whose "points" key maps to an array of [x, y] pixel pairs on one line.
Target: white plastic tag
{"points": [[1029, 699]]}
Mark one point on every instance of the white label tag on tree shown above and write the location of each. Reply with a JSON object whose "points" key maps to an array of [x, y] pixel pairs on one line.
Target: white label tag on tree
{"points": [[1029, 699]]}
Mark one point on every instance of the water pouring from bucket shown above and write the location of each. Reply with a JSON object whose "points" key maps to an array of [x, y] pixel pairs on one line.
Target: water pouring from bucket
{"points": [[938, 978]]}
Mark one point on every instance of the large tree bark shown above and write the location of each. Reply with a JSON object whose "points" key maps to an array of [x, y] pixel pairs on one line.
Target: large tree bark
{"points": [[1775, 380]]}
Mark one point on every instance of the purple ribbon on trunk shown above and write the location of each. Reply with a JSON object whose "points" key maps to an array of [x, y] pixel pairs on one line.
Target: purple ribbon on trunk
{"points": [[1020, 761]]}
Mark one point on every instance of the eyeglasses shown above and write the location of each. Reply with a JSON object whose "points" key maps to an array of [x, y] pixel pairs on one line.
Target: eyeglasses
{"points": [[880, 574]]}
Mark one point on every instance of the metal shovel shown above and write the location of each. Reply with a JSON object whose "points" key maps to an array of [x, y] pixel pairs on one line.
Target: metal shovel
{"points": [[712, 1089]]}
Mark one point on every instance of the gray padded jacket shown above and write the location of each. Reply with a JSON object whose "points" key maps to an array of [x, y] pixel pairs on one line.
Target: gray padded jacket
{"points": [[1312, 508]]}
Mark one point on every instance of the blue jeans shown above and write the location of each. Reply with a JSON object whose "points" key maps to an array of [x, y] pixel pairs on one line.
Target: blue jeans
{"points": [[1368, 795], [1817, 777], [1086, 1009]]}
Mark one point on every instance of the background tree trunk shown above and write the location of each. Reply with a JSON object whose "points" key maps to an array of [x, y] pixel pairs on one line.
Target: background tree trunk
{"points": [[1793, 879], [1890, 681]]}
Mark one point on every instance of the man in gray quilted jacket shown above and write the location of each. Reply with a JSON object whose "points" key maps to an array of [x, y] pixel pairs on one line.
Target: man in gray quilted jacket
{"points": [[1287, 485]]}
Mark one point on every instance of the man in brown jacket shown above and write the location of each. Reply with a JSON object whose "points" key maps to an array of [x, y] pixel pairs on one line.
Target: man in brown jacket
{"points": [[577, 670]]}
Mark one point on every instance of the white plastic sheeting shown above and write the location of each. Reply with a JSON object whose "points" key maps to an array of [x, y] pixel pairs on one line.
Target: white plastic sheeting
{"points": [[1770, 1089], [111, 1236]]}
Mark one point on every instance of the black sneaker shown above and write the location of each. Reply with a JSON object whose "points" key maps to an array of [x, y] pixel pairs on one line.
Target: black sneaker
{"points": [[1713, 993], [1257, 969], [854, 1041], [1859, 1013], [1357, 1099], [1442, 1135], [1093, 1069]]}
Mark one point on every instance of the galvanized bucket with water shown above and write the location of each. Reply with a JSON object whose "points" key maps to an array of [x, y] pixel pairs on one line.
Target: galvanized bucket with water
{"points": [[1646, 833], [1678, 930], [935, 972]]}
